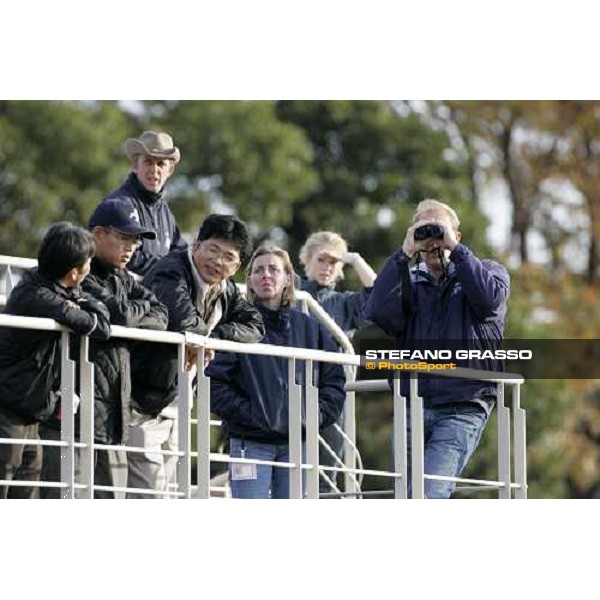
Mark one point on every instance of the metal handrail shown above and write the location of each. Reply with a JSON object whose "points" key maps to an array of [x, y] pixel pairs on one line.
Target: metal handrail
{"points": [[295, 464], [351, 453]]}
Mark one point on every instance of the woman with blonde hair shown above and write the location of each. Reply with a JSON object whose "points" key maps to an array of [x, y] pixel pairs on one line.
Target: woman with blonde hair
{"points": [[324, 256], [250, 392]]}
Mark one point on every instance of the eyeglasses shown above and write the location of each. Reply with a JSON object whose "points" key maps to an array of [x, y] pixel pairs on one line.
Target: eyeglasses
{"points": [[127, 240], [271, 269], [228, 259]]}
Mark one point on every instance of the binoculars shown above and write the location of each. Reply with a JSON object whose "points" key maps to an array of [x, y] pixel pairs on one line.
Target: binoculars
{"points": [[429, 230]]}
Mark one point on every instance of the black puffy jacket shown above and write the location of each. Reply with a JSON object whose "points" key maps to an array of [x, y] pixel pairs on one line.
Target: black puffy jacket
{"points": [[155, 214], [131, 305], [30, 359], [250, 392], [155, 369]]}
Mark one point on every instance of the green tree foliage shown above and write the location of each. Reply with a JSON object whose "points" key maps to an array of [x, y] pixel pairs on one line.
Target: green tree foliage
{"points": [[374, 162], [57, 160], [237, 154]]}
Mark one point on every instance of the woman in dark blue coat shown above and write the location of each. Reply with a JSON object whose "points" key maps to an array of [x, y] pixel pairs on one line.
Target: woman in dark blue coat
{"points": [[250, 392]]}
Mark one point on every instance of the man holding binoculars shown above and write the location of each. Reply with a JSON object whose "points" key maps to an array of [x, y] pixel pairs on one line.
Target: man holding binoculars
{"points": [[451, 296]]}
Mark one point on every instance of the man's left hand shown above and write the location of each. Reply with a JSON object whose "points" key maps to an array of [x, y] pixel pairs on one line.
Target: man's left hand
{"points": [[450, 237]]}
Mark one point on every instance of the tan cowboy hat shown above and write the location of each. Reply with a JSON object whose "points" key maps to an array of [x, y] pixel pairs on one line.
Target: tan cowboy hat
{"points": [[152, 143]]}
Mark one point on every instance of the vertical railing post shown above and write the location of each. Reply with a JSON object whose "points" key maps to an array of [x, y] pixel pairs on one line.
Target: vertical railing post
{"points": [[9, 281], [184, 400], [520, 444], [417, 440], [67, 389], [85, 454], [400, 441], [350, 480], [203, 430], [312, 433], [295, 430], [503, 445]]}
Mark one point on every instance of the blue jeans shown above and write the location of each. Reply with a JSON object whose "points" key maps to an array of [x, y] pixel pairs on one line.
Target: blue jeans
{"points": [[452, 434], [256, 481]]}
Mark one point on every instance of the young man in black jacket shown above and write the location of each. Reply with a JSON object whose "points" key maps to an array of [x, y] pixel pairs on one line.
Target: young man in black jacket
{"points": [[130, 304], [197, 287], [153, 158], [30, 359], [117, 234]]}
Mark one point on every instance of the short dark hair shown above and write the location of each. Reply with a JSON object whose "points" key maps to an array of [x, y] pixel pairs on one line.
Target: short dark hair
{"points": [[230, 229], [63, 248]]}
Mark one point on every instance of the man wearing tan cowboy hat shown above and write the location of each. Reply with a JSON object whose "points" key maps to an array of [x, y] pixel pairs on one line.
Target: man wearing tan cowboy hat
{"points": [[153, 157]]}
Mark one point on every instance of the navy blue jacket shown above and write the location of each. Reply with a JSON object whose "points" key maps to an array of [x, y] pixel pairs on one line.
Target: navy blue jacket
{"points": [[468, 305], [250, 392], [346, 308], [154, 214]]}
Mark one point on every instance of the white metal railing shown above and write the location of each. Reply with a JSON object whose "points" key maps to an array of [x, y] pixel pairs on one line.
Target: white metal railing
{"points": [[350, 453], [310, 467]]}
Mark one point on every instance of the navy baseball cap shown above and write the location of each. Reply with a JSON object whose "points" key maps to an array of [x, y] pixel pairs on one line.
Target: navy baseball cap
{"points": [[121, 216]]}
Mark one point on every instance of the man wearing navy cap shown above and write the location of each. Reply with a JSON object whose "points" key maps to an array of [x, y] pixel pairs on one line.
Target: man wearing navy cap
{"points": [[117, 233], [153, 157]]}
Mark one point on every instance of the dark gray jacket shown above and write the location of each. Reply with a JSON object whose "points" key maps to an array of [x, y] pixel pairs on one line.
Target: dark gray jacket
{"points": [[155, 214]]}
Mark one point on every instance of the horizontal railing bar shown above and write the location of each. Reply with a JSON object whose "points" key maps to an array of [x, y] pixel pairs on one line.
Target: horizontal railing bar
{"points": [[18, 322], [40, 484], [29, 442], [382, 385], [225, 458], [476, 488], [352, 494], [213, 422], [108, 488], [251, 461], [18, 262], [261, 349], [269, 350], [500, 484], [146, 335], [138, 449]]}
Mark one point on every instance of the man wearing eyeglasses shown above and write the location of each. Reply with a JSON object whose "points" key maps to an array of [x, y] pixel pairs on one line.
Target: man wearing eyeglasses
{"points": [[153, 157], [117, 233], [197, 287]]}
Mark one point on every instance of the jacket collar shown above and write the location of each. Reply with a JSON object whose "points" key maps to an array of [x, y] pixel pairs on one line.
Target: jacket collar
{"points": [[275, 320], [35, 276], [314, 288], [203, 291], [141, 192], [421, 273], [102, 270]]}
